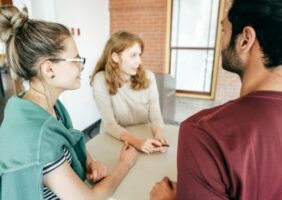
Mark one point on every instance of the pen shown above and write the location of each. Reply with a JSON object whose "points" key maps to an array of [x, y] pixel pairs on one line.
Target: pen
{"points": [[163, 145], [170, 184]]}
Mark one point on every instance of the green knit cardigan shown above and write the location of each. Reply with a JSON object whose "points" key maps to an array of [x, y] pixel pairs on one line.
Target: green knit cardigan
{"points": [[29, 139]]}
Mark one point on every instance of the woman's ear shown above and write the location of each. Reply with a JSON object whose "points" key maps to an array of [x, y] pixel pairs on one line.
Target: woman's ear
{"points": [[247, 39], [47, 69], [115, 57]]}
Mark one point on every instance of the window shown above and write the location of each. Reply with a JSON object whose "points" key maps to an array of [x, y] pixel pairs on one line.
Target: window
{"points": [[194, 46]]}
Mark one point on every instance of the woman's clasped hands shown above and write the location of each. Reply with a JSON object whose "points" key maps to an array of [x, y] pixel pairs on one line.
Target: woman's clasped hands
{"points": [[151, 145]]}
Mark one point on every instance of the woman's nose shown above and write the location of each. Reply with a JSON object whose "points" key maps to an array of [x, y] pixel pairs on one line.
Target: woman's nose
{"points": [[139, 60]]}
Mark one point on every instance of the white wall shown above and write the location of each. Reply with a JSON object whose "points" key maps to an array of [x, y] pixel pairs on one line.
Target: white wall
{"points": [[43, 9], [23, 3], [92, 17]]}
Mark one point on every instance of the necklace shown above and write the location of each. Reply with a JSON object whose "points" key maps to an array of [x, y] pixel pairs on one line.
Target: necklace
{"points": [[36, 90], [49, 108]]}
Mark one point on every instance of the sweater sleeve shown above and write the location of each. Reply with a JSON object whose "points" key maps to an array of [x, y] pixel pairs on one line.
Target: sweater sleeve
{"points": [[103, 102], [154, 104]]}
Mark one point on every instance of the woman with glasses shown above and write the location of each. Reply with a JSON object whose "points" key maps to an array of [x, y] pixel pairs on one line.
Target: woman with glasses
{"points": [[126, 94], [42, 156]]}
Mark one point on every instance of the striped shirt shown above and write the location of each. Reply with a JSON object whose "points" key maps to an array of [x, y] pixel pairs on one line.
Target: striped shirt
{"points": [[47, 193]]}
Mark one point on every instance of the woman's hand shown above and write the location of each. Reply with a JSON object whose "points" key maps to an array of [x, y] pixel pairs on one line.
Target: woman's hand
{"points": [[161, 139], [95, 170], [128, 155], [149, 145], [158, 136]]}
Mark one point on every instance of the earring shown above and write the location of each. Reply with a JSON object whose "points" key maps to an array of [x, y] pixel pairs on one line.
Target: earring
{"points": [[53, 76]]}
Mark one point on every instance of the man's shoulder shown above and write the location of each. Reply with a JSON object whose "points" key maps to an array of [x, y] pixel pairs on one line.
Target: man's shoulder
{"points": [[209, 113], [235, 114], [222, 114]]}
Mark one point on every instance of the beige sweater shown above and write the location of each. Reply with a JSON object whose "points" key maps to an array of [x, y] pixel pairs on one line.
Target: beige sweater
{"points": [[127, 107]]}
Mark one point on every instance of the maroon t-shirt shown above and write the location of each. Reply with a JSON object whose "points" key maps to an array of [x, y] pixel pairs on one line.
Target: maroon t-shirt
{"points": [[233, 151]]}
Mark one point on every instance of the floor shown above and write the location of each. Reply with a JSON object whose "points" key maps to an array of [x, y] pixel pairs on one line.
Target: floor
{"points": [[184, 107]]}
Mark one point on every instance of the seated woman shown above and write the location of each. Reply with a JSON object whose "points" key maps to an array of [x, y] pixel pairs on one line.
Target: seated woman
{"points": [[42, 156], [126, 94]]}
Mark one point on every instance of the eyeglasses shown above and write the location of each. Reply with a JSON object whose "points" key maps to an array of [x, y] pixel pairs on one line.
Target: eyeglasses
{"points": [[79, 60]]}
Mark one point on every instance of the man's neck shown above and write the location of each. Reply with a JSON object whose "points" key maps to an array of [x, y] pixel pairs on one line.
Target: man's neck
{"points": [[261, 78]]}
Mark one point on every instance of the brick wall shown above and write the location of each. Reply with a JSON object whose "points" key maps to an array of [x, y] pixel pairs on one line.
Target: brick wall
{"points": [[227, 87], [6, 2], [147, 18]]}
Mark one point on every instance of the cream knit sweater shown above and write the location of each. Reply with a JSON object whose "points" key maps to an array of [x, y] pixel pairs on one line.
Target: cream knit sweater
{"points": [[128, 106]]}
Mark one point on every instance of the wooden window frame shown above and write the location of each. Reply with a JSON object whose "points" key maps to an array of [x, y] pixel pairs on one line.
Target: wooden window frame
{"points": [[216, 62]]}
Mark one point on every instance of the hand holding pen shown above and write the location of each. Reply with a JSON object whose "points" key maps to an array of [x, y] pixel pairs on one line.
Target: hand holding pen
{"points": [[162, 145]]}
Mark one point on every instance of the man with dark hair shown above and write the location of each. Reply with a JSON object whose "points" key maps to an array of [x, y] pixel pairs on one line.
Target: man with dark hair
{"points": [[234, 151]]}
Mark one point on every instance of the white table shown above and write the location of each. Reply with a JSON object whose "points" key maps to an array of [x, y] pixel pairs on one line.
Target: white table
{"points": [[148, 169]]}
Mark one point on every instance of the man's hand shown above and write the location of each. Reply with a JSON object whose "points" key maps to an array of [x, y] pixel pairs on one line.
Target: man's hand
{"points": [[164, 190]]}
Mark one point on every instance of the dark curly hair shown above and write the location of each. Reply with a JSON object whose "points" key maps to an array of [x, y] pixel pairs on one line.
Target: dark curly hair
{"points": [[265, 17]]}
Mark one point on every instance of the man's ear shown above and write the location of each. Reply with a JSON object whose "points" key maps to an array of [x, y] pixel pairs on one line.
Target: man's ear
{"points": [[246, 39], [47, 69], [115, 57]]}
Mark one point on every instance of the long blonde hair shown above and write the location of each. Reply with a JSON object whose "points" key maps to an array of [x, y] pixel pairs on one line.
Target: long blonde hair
{"points": [[117, 43]]}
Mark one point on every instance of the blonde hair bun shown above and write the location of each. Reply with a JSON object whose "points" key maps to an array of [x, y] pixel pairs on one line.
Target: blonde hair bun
{"points": [[11, 19]]}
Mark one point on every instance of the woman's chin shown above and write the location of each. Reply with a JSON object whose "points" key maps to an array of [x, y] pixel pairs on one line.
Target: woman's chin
{"points": [[76, 86], [133, 73]]}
